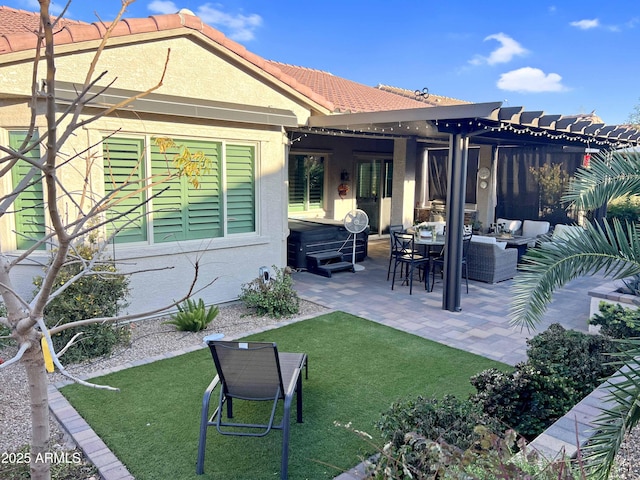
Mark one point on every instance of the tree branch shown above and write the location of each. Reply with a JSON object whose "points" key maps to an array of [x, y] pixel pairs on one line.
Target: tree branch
{"points": [[16, 358], [63, 371]]}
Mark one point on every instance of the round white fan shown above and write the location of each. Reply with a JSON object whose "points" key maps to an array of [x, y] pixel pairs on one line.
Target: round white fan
{"points": [[356, 222]]}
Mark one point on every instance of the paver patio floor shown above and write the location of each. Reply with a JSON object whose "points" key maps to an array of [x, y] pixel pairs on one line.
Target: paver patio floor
{"points": [[481, 327]]}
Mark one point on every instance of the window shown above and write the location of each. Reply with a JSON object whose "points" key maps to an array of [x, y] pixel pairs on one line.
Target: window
{"points": [[306, 182], [181, 211], [29, 205], [124, 170]]}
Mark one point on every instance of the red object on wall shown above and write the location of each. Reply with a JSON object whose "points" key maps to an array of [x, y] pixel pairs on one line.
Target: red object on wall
{"points": [[586, 160]]}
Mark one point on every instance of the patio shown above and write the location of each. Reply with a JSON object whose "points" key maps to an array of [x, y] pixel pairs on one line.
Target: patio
{"points": [[482, 327]]}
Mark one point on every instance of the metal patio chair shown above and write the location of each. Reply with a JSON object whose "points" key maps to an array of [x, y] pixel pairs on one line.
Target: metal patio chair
{"points": [[252, 371], [408, 258], [393, 253], [439, 262]]}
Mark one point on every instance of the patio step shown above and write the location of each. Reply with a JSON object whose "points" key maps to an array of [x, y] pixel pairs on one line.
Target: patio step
{"points": [[325, 263]]}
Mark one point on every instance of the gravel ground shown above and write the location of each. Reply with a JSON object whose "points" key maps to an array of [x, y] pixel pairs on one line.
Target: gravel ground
{"points": [[151, 337]]}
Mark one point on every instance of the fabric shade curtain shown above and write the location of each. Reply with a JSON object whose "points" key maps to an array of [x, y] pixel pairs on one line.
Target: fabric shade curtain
{"points": [[518, 191]]}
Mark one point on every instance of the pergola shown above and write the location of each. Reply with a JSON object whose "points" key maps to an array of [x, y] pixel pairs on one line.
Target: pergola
{"points": [[481, 123]]}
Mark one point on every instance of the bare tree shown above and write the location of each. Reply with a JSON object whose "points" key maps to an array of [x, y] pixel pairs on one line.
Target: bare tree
{"points": [[25, 318]]}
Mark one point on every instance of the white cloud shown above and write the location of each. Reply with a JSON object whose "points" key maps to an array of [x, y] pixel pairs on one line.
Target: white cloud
{"points": [[162, 7], [34, 6], [236, 26], [530, 80], [508, 49], [586, 24]]}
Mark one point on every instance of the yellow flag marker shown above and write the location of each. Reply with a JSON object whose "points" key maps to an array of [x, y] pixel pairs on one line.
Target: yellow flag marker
{"points": [[48, 361]]}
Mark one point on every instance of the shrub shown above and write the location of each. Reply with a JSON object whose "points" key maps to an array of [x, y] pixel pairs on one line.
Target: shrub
{"points": [[4, 331], [450, 419], [192, 316], [626, 209], [617, 321], [524, 399], [581, 359], [98, 295], [563, 367], [274, 297]]}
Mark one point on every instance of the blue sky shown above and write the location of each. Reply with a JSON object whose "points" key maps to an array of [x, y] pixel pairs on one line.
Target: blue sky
{"points": [[565, 56]]}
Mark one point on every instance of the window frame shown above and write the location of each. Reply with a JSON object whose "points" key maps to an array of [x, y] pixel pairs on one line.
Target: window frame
{"points": [[20, 233], [307, 205], [150, 213]]}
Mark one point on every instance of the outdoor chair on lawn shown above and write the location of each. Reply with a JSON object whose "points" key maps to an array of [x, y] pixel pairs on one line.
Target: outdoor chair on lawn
{"points": [[252, 371]]}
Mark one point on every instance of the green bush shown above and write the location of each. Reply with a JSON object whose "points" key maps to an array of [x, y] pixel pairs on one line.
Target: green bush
{"points": [[92, 296], [581, 359], [617, 321], [274, 297], [563, 367], [4, 331], [626, 209], [450, 419], [192, 316], [524, 399]]}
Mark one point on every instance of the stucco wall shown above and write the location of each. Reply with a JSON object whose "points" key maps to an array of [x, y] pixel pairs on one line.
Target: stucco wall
{"points": [[193, 72]]}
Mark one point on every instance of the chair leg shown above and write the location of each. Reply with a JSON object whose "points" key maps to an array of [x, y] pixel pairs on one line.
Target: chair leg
{"points": [[466, 276], [299, 398], [204, 423], [284, 467], [389, 268], [393, 280]]}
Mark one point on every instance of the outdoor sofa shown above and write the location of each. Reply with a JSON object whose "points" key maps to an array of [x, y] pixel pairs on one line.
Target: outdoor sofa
{"points": [[489, 261]]}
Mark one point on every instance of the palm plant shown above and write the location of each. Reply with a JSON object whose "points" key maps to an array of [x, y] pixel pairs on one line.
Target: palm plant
{"points": [[613, 249]]}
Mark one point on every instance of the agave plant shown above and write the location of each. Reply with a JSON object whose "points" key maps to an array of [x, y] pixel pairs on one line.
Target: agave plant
{"points": [[611, 249], [193, 316]]}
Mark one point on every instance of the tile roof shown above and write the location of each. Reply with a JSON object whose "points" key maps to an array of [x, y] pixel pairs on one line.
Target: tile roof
{"points": [[336, 94], [21, 21], [431, 99], [17, 29], [347, 95]]}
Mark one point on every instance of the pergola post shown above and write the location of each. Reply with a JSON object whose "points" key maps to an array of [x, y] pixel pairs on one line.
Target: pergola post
{"points": [[456, 189]]}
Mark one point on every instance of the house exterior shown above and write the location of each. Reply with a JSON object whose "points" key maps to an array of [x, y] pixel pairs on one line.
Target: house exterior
{"points": [[285, 141], [216, 97]]}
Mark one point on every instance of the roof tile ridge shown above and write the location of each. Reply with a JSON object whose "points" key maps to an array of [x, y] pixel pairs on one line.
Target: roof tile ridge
{"points": [[301, 67], [382, 86], [21, 41]]}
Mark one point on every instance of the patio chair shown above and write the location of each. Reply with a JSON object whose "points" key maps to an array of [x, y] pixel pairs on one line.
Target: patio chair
{"points": [[408, 258], [252, 371], [439, 262], [392, 251]]}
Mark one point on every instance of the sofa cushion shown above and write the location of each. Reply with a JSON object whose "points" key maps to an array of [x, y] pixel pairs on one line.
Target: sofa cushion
{"points": [[563, 232], [482, 239], [512, 225], [533, 228]]}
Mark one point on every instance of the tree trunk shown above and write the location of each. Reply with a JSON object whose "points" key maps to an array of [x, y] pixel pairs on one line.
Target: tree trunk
{"points": [[37, 376]]}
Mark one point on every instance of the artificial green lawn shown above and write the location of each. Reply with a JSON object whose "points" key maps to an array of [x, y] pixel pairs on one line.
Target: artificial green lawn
{"points": [[357, 368]]}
